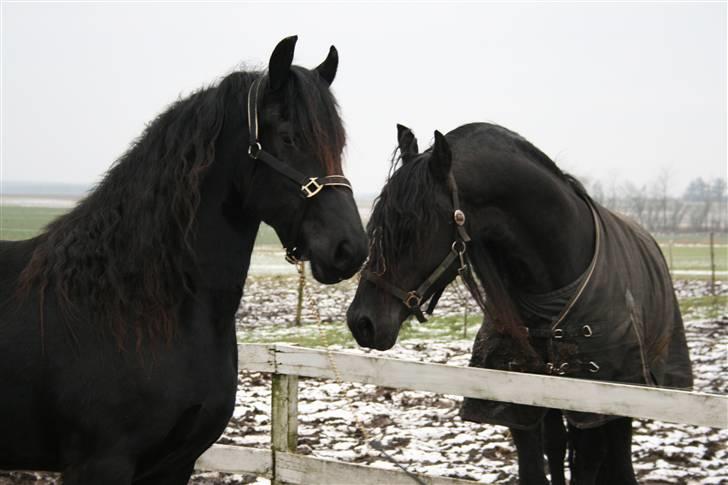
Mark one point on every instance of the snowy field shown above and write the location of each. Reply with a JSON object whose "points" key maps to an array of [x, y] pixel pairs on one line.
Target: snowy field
{"points": [[423, 430]]}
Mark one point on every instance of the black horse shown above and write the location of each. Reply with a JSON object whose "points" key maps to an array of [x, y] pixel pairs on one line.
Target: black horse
{"points": [[570, 288], [118, 355]]}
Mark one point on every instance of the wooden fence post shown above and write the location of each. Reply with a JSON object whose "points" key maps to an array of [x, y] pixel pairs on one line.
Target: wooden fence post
{"points": [[283, 417]]}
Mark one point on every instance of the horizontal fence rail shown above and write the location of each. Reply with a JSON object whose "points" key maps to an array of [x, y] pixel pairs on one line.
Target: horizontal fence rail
{"points": [[695, 408], [287, 363]]}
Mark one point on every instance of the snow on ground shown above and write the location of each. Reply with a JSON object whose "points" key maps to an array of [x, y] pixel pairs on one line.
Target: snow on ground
{"points": [[423, 430]]}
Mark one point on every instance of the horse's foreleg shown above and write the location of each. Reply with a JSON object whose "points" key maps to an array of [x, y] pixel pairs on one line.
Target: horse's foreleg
{"points": [[530, 456], [555, 440], [618, 466], [590, 448]]}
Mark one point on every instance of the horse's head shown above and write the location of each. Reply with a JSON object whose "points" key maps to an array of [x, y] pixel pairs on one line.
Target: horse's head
{"points": [[293, 180], [411, 233]]}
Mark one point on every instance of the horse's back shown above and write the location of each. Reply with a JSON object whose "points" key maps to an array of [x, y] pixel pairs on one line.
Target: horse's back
{"points": [[647, 276]]}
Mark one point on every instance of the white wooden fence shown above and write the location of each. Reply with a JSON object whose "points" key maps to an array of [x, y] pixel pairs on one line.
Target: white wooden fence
{"points": [[287, 363]]}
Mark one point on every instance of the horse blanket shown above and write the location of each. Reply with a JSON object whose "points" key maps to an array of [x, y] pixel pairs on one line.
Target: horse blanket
{"points": [[624, 326]]}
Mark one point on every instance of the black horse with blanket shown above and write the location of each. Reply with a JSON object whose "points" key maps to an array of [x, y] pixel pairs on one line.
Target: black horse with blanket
{"points": [[571, 288]]}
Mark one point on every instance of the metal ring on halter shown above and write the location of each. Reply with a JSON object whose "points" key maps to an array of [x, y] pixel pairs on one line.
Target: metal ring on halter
{"points": [[254, 150], [459, 249], [412, 295]]}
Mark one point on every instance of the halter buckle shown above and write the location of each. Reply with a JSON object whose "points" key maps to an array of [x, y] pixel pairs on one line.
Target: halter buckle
{"points": [[413, 300], [459, 217], [254, 150], [312, 187]]}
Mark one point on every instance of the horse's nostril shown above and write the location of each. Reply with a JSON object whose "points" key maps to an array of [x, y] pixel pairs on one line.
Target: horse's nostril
{"points": [[364, 331], [343, 254]]}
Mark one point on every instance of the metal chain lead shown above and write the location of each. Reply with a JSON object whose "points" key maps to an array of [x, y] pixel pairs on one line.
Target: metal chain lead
{"points": [[463, 298], [375, 444]]}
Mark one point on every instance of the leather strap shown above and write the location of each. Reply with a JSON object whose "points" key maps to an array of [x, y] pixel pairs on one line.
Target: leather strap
{"points": [[309, 186], [414, 299]]}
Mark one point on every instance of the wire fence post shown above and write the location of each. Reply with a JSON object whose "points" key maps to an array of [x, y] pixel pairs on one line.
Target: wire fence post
{"points": [[669, 253]]}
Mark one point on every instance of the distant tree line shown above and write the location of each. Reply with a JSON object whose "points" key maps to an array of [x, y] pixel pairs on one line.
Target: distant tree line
{"points": [[703, 207]]}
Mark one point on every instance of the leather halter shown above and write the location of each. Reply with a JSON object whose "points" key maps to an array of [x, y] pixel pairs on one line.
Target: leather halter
{"points": [[309, 186], [414, 299]]}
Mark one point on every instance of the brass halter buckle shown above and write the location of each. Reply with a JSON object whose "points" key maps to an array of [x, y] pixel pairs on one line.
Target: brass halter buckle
{"points": [[311, 188], [413, 300]]}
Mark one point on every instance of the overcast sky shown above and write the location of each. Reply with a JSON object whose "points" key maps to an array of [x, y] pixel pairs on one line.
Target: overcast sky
{"points": [[612, 91]]}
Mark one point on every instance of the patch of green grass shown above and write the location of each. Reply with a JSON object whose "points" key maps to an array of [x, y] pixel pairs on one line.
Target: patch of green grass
{"points": [[696, 257], [704, 307], [690, 238], [307, 335], [25, 222], [438, 329], [443, 329], [18, 222], [267, 237], [688, 253]]}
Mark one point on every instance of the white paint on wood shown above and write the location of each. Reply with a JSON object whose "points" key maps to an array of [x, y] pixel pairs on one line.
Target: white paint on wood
{"points": [[236, 459], [284, 412], [256, 357], [675, 406], [300, 469]]}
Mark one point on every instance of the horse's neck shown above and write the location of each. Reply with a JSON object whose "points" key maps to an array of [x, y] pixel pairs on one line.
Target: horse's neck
{"points": [[225, 238], [540, 239]]}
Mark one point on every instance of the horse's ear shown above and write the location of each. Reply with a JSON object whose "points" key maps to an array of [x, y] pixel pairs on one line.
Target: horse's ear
{"points": [[407, 143], [279, 67], [327, 69], [441, 159]]}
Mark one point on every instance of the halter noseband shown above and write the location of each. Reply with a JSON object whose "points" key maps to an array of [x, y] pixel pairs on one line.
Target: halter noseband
{"points": [[414, 299], [310, 186]]}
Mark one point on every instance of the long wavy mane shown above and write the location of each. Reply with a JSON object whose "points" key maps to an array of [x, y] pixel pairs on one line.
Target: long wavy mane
{"points": [[406, 213], [120, 255]]}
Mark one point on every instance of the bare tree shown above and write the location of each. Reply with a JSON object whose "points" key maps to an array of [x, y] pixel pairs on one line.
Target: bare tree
{"points": [[662, 186]]}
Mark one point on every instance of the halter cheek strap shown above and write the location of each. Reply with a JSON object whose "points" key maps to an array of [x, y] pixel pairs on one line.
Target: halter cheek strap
{"points": [[309, 186], [414, 299]]}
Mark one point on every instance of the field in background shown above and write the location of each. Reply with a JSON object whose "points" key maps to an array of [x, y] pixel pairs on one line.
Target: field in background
{"points": [[689, 254]]}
